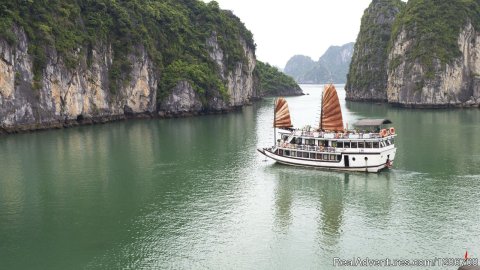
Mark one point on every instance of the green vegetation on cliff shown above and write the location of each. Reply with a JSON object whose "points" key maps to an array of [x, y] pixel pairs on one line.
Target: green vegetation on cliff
{"points": [[368, 69], [273, 82], [173, 32], [434, 27]]}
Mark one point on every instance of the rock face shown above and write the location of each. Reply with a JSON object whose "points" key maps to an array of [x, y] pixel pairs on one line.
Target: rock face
{"points": [[71, 96], [431, 60], [455, 84], [331, 67], [183, 99], [367, 77], [240, 80], [67, 95]]}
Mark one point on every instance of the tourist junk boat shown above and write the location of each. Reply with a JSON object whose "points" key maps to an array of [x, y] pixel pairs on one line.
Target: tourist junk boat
{"points": [[370, 147]]}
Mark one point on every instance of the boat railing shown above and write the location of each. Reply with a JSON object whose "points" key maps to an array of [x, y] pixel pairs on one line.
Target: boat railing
{"points": [[315, 148], [311, 148], [331, 135], [346, 135]]}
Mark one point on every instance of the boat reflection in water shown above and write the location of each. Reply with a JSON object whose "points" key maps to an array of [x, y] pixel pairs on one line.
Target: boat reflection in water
{"points": [[327, 208]]}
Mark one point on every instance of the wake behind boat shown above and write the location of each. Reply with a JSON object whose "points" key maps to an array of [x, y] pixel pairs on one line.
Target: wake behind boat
{"points": [[369, 147]]}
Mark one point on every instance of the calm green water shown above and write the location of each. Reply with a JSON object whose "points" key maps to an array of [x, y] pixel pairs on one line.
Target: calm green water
{"points": [[194, 194]]}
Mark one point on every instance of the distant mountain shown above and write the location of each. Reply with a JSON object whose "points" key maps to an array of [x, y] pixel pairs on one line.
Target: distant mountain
{"points": [[331, 67], [298, 66]]}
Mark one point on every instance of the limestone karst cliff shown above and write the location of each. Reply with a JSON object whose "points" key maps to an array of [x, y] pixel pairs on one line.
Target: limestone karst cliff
{"points": [[426, 55], [367, 76], [434, 59], [84, 61]]}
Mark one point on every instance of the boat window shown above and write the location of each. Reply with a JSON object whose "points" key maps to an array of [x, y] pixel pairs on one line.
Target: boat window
{"points": [[382, 144], [319, 156], [294, 140], [287, 152], [353, 144], [299, 154], [280, 152], [339, 157], [340, 144], [305, 154], [387, 142], [293, 153], [312, 155], [375, 144], [368, 145], [299, 141], [361, 144], [346, 145], [334, 144], [333, 157], [285, 137], [325, 157], [310, 141]]}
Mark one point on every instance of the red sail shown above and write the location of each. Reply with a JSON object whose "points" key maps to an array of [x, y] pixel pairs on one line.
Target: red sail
{"points": [[282, 114], [331, 118]]}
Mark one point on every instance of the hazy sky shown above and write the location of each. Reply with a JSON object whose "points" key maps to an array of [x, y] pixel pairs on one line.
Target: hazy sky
{"points": [[284, 28]]}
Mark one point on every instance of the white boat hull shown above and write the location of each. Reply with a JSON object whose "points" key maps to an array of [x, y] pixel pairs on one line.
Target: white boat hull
{"points": [[359, 162]]}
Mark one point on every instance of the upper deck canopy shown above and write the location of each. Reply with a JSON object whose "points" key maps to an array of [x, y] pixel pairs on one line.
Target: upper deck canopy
{"points": [[372, 122]]}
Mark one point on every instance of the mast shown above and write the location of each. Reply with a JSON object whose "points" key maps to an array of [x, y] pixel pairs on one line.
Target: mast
{"points": [[321, 109], [274, 126]]}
